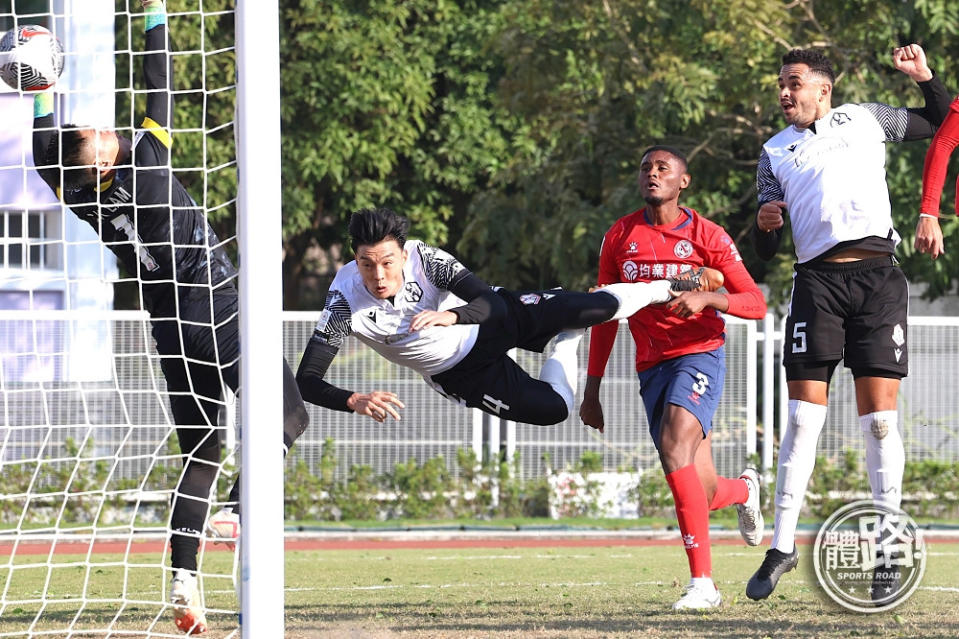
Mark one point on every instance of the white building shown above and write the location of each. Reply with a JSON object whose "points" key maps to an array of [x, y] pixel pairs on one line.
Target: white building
{"points": [[49, 260]]}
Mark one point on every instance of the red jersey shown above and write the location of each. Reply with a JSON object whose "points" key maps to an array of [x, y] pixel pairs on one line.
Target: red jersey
{"points": [[634, 250], [937, 162]]}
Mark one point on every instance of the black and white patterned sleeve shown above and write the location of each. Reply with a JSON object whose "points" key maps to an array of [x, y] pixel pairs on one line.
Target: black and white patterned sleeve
{"points": [[442, 269], [892, 120], [767, 185], [336, 320]]}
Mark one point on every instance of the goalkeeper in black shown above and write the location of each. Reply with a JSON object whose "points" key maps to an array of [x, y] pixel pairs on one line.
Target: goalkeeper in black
{"points": [[127, 192]]}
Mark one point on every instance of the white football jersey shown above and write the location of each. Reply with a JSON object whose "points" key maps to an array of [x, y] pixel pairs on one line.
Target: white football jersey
{"points": [[832, 176], [385, 326]]}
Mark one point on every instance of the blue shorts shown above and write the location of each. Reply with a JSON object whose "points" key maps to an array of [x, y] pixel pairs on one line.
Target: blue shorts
{"points": [[694, 382]]}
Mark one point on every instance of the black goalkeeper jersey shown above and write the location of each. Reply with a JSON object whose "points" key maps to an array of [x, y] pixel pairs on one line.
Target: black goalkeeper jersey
{"points": [[144, 215]]}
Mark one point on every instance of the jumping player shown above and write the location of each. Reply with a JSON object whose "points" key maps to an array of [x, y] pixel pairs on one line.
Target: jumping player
{"points": [[680, 359], [126, 191], [849, 295], [418, 306]]}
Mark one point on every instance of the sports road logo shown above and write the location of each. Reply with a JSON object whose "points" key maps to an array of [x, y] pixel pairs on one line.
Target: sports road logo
{"points": [[869, 557]]}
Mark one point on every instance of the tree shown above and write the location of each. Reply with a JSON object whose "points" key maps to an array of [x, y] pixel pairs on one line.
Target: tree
{"points": [[384, 104]]}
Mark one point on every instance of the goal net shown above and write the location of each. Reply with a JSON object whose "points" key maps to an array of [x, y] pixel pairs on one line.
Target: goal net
{"points": [[90, 458]]}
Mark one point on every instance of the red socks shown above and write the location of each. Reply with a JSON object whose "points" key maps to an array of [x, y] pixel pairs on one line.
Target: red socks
{"points": [[692, 512], [729, 491]]}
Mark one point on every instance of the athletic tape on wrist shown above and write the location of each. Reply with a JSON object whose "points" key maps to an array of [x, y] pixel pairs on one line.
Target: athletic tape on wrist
{"points": [[155, 15], [42, 105]]}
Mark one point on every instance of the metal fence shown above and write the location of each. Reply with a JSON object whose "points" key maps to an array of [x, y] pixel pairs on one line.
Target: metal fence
{"points": [[127, 415]]}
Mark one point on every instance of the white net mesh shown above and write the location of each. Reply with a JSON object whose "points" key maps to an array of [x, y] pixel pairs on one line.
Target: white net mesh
{"points": [[89, 455]]}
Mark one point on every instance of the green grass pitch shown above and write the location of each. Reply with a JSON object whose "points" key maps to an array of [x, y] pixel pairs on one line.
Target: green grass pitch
{"points": [[528, 593]]}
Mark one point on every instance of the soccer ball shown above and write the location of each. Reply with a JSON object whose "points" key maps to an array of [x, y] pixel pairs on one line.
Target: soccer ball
{"points": [[31, 58]]}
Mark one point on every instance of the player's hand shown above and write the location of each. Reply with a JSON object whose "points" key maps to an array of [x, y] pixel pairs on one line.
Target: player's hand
{"points": [[770, 216], [911, 60], [929, 237], [688, 303], [591, 412], [425, 319], [378, 405]]}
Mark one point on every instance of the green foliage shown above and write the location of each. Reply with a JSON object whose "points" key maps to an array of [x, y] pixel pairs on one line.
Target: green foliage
{"points": [[653, 495], [420, 488], [834, 482], [499, 124], [74, 488], [384, 104]]}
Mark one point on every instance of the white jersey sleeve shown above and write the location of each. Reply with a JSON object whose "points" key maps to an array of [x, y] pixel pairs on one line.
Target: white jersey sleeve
{"points": [[336, 320], [893, 120], [768, 187], [441, 268]]}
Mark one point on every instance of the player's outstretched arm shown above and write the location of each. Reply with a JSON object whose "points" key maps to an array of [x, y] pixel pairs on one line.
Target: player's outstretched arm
{"points": [[378, 404], [157, 65], [44, 133], [316, 361], [922, 121], [911, 60]]}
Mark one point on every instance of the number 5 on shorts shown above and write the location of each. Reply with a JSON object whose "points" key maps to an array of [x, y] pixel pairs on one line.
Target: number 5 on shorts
{"points": [[799, 346]]}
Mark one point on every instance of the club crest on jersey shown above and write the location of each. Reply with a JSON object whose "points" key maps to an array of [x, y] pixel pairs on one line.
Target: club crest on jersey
{"points": [[530, 298], [413, 292], [839, 118], [630, 271], [683, 249]]}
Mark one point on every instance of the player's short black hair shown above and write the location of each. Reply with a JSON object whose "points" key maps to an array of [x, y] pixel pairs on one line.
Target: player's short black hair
{"points": [[673, 151], [70, 149], [815, 60], [372, 226]]}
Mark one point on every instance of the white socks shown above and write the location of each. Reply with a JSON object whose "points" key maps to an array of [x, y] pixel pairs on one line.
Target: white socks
{"points": [[633, 296], [885, 456], [561, 368], [797, 457]]}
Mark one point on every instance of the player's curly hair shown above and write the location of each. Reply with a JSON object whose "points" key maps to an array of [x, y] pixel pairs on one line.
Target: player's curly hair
{"points": [[816, 61], [372, 226], [73, 146], [673, 151]]}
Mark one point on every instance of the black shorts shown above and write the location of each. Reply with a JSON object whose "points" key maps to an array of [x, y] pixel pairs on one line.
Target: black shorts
{"points": [[852, 311], [488, 379]]}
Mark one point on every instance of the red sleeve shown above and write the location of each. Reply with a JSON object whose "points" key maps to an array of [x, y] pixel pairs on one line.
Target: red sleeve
{"points": [[603, 336], [601, 340], [744, 297], [937, 161]]}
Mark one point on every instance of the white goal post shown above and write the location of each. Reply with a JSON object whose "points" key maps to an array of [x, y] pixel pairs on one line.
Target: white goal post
{"points": [[261, 306]]}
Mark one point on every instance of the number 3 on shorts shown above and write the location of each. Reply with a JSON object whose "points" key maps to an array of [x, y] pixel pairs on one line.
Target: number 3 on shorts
{"points": [[799, 346], [701, 384]]}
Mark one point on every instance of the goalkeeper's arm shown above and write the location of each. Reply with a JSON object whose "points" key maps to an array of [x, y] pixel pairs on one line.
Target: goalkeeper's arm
{"points": [[44, 134], [157, 68]]}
